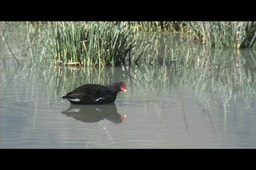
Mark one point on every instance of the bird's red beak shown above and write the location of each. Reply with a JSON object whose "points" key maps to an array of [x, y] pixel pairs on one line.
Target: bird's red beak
{"points": [[123, 89]]}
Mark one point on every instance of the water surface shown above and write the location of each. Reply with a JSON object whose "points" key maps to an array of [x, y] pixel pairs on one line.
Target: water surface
{"points": [[158, 115]]}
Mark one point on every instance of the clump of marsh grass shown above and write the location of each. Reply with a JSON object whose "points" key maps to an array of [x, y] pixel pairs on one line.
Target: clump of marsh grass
{"points": [[92, 43], [160, 49], [224, 34], [158, 26], [214, 34]]}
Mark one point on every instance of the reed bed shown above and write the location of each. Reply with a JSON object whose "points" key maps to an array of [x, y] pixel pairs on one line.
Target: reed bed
{"points": [[92, 43], [158, 26], [224, 34], [231, 34], [117, 43]]}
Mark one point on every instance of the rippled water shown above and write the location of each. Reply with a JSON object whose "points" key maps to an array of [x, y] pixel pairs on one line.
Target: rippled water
{"points": [[149, 115]]}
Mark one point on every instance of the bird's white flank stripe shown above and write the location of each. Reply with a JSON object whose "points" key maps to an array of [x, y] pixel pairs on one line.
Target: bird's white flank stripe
{"points": [[74, 100], [100, 98]]}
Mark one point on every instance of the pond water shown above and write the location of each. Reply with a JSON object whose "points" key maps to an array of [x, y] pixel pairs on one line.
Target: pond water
{"points": [[204, 104], [154, 115]]}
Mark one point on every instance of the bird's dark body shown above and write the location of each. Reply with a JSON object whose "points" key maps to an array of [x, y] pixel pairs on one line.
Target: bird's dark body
{"points": [[94, 94]]}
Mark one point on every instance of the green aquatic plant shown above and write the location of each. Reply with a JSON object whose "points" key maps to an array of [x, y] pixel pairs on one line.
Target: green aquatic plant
{"points": [[92, 43]]}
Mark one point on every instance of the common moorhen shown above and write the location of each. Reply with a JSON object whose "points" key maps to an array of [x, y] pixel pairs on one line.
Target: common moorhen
{"points": [[95, 93]]}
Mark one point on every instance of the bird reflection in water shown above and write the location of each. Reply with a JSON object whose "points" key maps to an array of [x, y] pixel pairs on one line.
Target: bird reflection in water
{"points": [[95, 113]]}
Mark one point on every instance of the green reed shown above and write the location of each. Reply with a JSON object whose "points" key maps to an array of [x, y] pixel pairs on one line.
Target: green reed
{"points": [[157, 26], [160, 49], [224, 34], [232, 34], [91, 43]]}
